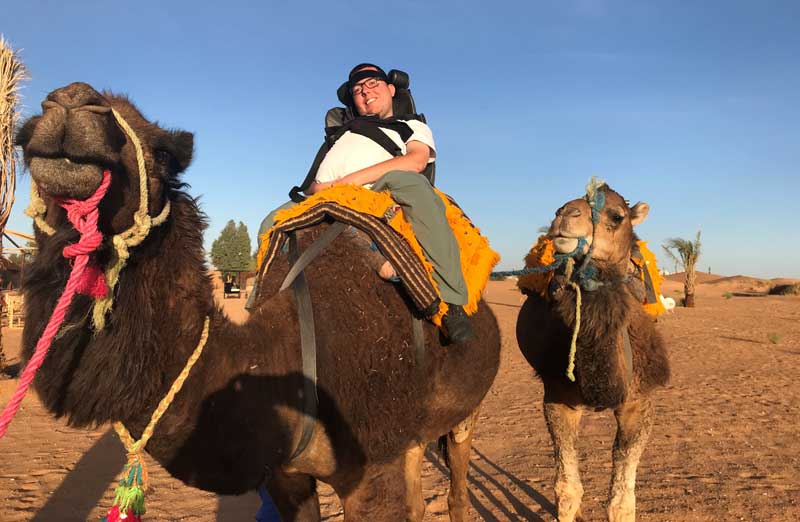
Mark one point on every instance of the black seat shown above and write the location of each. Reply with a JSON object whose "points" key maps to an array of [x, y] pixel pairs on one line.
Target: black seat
{"points": [[403, 107]]}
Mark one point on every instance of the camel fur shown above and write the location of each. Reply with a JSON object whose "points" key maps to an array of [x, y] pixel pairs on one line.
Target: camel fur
{"points": [[238, 418], [602, 378]]}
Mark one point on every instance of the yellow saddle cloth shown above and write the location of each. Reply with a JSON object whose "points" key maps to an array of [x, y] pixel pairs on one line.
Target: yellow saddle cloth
{"points": [[477, 258], [543, 253]]}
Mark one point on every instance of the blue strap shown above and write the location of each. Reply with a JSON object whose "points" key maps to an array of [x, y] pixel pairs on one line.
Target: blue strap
{"points": [[268, 512]]}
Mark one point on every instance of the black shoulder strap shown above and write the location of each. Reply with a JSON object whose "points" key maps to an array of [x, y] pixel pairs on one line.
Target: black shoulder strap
{"points": [[371, 128], [367, 126], [296, 193]]}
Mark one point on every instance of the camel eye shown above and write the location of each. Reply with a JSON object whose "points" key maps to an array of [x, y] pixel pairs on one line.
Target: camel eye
{"points": [[616, 218]]}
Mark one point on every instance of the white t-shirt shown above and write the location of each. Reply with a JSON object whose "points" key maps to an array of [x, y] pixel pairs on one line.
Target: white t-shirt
{"points": [[353, 152]]}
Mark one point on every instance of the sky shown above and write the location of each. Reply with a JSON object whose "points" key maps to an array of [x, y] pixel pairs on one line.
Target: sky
{"points": [[693, 107]]}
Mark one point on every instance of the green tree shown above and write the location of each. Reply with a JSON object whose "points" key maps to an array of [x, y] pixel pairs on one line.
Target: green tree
{"points": [[685, 252], [230, 252]]}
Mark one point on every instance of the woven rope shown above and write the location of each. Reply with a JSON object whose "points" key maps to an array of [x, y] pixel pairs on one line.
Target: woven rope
{"points": [[83, 215], [136, 447], [37, 209]]}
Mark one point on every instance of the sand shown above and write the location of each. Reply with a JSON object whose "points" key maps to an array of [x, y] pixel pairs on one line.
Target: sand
{"points": [[724, 446]]}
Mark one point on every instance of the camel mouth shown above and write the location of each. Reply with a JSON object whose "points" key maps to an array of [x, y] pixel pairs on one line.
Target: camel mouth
{"points": [[65, 178], [566, 244]]}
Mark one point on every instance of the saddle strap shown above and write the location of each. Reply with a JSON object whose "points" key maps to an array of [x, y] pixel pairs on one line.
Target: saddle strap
{"points": [[316, 248], [308, 345], [418, 329], [628, 352]]}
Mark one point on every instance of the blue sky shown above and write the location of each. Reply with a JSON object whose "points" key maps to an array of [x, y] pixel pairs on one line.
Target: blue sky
{"points": [[693, 107]]}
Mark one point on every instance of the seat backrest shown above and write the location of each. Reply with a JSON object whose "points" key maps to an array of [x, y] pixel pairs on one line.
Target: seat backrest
{"points": [[402, 105]]}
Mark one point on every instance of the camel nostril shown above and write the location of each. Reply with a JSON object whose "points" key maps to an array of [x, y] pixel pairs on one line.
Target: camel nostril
{"points": [[97, 109]]}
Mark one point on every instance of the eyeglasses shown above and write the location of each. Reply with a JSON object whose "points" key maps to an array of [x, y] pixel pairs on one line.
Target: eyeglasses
{"points": [[369, 83]]}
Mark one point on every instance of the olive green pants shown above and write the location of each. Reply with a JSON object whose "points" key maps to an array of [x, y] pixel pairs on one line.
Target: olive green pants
{"points": [[425, 212]]}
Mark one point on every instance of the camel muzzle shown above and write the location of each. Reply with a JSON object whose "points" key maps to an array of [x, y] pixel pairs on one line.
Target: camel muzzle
{"points": [[75, 139]]}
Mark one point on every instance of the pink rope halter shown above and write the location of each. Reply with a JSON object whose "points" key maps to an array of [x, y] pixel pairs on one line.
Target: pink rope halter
{"points": [[85, 278]]}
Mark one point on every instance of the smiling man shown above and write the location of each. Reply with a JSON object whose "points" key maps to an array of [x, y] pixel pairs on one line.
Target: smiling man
{"points": [[359, 160]]}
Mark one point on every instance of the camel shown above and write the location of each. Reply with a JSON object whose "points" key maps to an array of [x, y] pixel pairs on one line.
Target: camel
{"points": [[239, 417], [603, 374]]}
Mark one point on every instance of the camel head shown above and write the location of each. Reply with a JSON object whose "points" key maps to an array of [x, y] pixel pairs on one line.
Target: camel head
{"points": [[607, 228], [77, 137]]}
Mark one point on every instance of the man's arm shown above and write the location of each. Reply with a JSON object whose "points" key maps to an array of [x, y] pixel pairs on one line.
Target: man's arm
{"points": [[415, 159]]}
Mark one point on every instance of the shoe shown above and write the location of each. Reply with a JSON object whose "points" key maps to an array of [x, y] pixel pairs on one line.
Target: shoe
{"points": [[457, 324]]}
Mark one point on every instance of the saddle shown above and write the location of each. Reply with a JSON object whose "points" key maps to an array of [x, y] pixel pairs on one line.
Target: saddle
{"points": [[380, 219], [645, 278]]}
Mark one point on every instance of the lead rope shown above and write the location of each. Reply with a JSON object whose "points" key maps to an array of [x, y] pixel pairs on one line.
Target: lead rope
{"points": [[573, 345], [129, 503], [85, 278]]}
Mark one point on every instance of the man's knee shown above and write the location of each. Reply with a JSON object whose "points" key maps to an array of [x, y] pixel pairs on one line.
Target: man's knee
{"points": [[402, 179]]}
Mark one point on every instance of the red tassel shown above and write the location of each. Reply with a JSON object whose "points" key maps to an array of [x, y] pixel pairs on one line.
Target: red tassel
{"points": [[114, 515]]}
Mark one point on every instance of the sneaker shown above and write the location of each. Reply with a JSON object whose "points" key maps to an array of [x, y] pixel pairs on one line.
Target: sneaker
{"points": [[457, 324]]}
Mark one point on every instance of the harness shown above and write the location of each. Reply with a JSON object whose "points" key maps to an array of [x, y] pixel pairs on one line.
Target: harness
{"points": [[367, 126]]}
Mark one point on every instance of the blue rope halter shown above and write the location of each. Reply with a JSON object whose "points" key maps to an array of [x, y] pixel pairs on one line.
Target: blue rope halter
{"points": [[586, 274]]}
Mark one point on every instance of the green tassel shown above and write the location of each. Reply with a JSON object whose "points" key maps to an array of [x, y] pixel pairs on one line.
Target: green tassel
{"points": [[129, 495]]}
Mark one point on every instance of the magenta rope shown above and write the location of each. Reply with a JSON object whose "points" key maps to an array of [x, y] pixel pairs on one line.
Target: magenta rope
{"points": [[85, 278]]}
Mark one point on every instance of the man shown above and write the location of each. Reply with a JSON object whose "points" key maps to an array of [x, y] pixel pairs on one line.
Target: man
{"points": [[356, 159]]}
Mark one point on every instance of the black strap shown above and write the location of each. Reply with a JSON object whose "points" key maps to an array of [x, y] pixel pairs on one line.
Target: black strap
{"points": [[370, 127], [308, 344], [316, 248], [367, 126], [296, 193]]}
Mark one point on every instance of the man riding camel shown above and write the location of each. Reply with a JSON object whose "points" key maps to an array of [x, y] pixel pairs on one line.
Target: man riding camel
{"points": [[358, 160]]}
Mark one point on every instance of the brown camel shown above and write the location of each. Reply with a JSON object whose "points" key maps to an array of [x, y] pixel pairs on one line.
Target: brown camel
{"points": [[239, 417], [603, 374]]}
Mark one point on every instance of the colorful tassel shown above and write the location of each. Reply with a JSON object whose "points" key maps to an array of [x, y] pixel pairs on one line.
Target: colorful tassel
{"points": [[129, 498]]}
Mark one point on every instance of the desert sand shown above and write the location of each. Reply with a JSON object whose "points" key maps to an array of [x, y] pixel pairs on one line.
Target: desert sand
{"points": [[724, 447]]}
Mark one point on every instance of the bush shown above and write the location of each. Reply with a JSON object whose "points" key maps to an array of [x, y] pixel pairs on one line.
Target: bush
{"points": [[792, 289], [774, 337], [727, 295]]}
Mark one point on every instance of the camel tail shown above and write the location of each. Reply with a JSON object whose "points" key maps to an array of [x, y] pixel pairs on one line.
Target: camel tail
{"points": [[441, 445]]}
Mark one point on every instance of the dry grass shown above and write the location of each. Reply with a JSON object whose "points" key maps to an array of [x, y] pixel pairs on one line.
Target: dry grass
{"points": [[793, 289], [12, 73]]}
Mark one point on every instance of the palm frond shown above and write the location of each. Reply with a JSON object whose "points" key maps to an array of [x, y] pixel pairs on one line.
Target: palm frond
{"points": [[12, 74]]}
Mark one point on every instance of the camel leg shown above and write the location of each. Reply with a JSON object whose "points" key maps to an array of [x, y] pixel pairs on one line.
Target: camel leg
{"points": [[389, 492], [295, 496], [563, 422], [415, 501], [459, 445], [634, 424]]}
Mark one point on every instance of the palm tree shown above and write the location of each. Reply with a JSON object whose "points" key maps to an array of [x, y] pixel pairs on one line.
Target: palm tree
{"points": [[686, 253], [12, 73]]}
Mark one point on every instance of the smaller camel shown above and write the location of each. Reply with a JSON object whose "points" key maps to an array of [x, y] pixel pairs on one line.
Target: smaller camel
{"points": [[619, 357]]}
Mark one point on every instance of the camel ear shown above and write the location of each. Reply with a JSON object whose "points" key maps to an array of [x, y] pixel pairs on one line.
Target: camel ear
{"points": [[179, 145], [639, 212], [25, 132]]}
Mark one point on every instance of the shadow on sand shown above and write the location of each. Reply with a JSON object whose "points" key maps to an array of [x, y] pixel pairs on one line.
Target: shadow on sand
{"points": [[480, 478], [93, 476]]}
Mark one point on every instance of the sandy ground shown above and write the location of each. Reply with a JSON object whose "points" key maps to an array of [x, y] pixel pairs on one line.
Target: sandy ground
{"points": [[724, 447]]}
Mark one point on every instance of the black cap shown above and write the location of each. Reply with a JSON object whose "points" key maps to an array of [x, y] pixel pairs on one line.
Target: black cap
{"points": [[358, 73]]}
